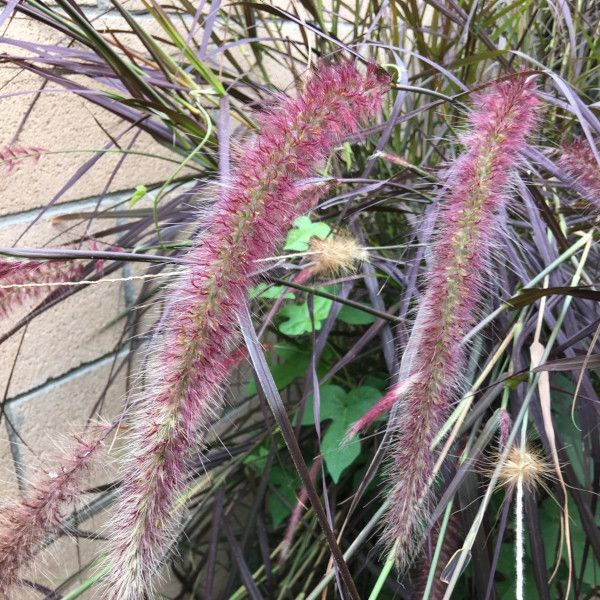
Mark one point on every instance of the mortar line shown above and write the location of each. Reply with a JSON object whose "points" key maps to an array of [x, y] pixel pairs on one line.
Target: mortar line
{"points": [[71, 375], [64, 208], [18, 218]]}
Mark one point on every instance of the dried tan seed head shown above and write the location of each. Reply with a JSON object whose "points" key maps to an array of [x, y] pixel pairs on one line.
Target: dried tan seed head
{"points": [[337, 254], [525, 463]]}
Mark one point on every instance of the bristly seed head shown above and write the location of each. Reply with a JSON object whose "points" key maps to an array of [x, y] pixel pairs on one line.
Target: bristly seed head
{"points": [[478, 187], [338, 254], [578, 160], [190, 355], [526, 464]]}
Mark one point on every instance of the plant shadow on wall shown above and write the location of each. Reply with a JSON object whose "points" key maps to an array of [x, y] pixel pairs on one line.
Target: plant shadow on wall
{"points": [[361, 359]]}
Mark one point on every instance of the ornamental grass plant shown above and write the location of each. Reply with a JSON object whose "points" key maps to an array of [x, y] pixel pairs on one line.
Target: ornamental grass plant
{"points": [[360, 353]]}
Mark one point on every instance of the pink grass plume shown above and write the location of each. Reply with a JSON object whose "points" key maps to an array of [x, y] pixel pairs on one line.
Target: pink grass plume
{"points": [[578, 160], [262, 197], [25, 523], [393, 395], [21, 280], [505, 426], [478, 187], [11, 156]]}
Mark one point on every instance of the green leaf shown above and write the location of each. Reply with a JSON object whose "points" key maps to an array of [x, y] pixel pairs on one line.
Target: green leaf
{"points": [[297, 316], [338, 457], [347, 154], [332, 397], [299, 236], [380, 382], [285, 484], [562, 391], [257, 459], [549, 518], [297, 319], [355, 316], [342, 409], [262, 290], [506, 565], [140, 192]]}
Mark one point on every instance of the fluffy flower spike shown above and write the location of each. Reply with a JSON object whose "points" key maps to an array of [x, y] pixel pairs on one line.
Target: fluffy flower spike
{"points": [[527, 465], [578, 160], [25, 523], [21, 280], [262, 198], [337, 254], [477, 191]]}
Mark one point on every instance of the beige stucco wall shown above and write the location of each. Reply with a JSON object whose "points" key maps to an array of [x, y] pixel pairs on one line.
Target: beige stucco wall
{"points": [[53, 372]]}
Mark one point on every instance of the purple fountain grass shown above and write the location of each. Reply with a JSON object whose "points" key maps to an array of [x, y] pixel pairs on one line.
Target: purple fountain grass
{"points": [[296, 516], [478, 186], [21, 280], [25, 523], [578, 160], [10, 156], [250, 219], [451, 542]]}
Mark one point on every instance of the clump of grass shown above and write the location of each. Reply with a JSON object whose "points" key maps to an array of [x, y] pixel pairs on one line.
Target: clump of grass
{"points": [[478, 187], [187, 88], [251, 217]]}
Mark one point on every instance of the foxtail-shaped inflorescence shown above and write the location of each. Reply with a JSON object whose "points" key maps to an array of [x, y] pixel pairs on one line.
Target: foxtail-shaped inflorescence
{"points": [[21, 280], [478, 186], [25, 523], [578, 160], [257, 206]]}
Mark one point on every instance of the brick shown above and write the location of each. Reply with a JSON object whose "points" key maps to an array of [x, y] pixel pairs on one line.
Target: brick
{"points": [[45, 419], [64, 121], [74, 332], [49, 416]]}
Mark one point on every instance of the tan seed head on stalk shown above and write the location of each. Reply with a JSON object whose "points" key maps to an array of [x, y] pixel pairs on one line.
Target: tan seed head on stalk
{"points": [[525, 463], [338, 254]]}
